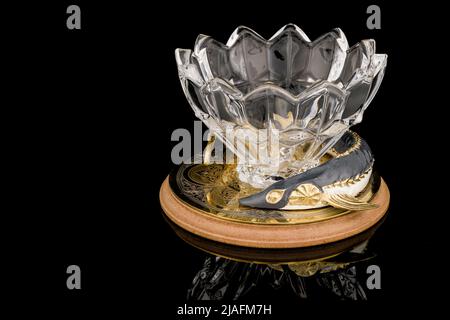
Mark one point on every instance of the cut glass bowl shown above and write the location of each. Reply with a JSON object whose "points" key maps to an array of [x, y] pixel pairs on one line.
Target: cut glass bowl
{"points": [[280, 104]]}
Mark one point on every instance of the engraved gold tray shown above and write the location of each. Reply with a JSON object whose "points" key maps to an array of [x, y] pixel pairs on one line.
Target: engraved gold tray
{"points": [[215, 190]]}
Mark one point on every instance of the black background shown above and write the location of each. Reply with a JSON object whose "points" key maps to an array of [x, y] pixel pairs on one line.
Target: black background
{"points": [[95, 111]]}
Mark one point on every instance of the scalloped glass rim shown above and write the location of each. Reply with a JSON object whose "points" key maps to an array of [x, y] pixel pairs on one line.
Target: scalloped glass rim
{"points": [[368, 67]]}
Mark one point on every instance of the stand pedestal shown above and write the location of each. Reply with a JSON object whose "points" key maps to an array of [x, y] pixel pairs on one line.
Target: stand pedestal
{"points": [[226, 231]]}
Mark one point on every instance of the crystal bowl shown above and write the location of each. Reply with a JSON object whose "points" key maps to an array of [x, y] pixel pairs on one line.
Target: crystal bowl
{"points": [[280, 104]]}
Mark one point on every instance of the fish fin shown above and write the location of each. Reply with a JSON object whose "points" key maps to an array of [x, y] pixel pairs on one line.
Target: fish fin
{"points": [[345, 201]]}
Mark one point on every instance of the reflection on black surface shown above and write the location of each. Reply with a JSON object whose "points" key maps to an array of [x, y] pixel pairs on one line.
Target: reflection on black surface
{"points": [[335, 270], [222, 278]]}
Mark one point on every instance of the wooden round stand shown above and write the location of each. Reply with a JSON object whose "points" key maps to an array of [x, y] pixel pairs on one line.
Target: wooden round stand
{"points": [[272, 236]]}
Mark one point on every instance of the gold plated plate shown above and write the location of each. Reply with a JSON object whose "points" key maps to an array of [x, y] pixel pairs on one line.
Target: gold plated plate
{"points": [[215, 190]]}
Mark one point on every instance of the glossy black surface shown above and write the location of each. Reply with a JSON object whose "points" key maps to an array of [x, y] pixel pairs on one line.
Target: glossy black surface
{"points": [[95, 112]]}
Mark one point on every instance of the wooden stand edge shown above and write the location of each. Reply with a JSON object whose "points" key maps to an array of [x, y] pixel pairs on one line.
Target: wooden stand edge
{"points": [[271, 236]]}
